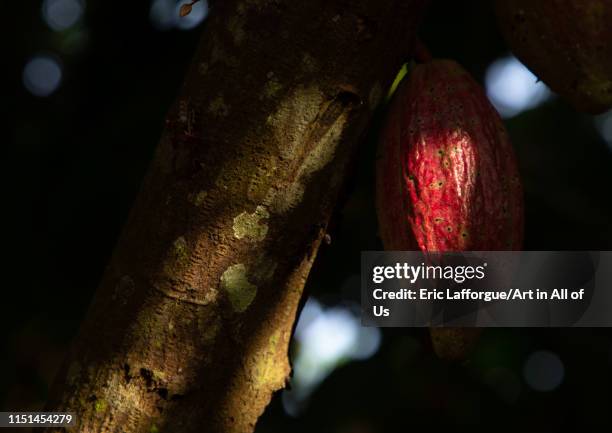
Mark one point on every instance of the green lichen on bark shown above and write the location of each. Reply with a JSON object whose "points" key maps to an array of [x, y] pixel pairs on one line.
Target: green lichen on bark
{"points": [[240, 291], [251, 225], [100, 406], [265, 370]]}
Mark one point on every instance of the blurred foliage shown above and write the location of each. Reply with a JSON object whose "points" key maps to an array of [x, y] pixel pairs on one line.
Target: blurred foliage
{"points": [[76, 159]]}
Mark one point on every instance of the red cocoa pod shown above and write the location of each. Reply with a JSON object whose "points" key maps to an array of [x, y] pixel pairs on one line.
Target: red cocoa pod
{"points": [[567, 44], [446, 176]]}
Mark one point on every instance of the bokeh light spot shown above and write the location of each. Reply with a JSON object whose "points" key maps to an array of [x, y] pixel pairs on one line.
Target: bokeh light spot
{"points": [[543, 371], [62, 14], [512, 88], [164, 14], [324, 340], [603, 123], [367, 344], [331, 335], [42, 75]]}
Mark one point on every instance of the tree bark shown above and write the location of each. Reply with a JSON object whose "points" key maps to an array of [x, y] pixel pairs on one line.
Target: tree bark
{"points": [[189, 328]]}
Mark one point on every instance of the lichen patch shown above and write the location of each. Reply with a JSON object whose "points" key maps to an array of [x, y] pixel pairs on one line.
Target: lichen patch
{"points": [[100, 406], [251, 225], [180, 248], [240, 291], [266, 369]]}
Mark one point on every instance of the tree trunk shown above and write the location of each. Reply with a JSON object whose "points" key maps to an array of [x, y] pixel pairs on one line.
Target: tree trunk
{"points": [[189, 329]]}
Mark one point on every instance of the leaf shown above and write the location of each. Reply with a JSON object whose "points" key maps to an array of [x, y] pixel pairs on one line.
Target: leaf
{"points": [[185, 9]]}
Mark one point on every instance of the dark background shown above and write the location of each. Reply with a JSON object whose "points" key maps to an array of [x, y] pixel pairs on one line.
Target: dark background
{"points": [[75, 159]]}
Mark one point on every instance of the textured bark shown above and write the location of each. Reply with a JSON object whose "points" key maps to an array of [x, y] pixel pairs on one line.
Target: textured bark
{"points": [[190, 326]]}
